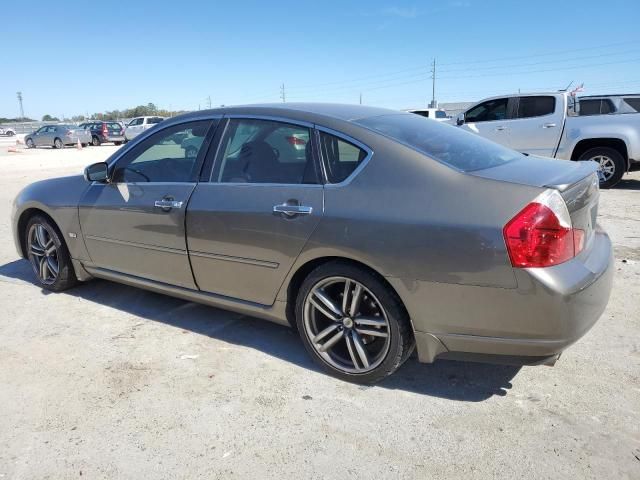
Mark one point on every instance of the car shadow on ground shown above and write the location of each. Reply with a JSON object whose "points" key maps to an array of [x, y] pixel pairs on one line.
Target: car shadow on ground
{"points": [[461, 381], [627, 184]]}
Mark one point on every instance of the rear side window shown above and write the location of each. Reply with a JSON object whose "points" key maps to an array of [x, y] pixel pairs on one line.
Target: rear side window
{"points": [[633, 102], [340, 157], [448, 144], [441, 114], [536, 106], [154, 120], [488, 111], [265, 151], [596, 106]]}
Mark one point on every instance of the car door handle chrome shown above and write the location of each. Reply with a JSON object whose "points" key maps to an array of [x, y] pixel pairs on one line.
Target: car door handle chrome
{"points": [[501, 128], [292, 210], [167, 204], [548, 125]]}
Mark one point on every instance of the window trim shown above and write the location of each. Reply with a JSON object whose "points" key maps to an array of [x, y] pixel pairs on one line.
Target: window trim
{"points": [[315, 156], [112, 163], [348, 139]]}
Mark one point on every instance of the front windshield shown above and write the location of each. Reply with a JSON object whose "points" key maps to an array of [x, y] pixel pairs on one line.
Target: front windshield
{"points": [[445, 143]]}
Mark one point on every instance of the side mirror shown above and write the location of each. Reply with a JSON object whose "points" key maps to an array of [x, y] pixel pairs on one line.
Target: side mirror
{"points": [[460, 119], [97, 172]]}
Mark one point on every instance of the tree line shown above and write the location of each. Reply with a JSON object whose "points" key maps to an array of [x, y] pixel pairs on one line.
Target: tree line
{"points": [[140, 111]]}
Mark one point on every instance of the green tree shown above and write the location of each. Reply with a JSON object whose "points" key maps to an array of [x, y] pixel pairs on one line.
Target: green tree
{"points": [[49, 118]]}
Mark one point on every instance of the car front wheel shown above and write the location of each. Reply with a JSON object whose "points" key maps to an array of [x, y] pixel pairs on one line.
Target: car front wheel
{"points": [[95, 141], [48, 255], [30, 143], [352, 323]]}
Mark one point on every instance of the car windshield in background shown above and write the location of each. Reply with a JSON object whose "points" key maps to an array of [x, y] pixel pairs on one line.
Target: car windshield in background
{"points": [[154, 120], [447, 144]]}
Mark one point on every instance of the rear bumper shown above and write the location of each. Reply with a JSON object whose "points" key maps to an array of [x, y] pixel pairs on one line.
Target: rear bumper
{"points": [[549, 310], [117, 138]]}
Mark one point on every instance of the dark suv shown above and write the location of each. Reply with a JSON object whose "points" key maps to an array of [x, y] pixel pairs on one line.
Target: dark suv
{"points": [[102, 132]]}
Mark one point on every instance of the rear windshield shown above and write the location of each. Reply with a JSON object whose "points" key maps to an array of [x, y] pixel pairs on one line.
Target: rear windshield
{"points": [[114, 126], [445, 143]]}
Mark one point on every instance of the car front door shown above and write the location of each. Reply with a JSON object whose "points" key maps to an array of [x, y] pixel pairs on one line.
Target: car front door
{"points": [[537, 125], [490, 120], [39, 136], [135, 223], [248, 222]]}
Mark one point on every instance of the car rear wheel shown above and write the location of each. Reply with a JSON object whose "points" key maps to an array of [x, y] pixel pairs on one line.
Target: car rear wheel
{"points": [[10, 133], [57, 143], [30, 143], [353, 324], [117, 144], [48, 255], [95, 141], [611, 162]]}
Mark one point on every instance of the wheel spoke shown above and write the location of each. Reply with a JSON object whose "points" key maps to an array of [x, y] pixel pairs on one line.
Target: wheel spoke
{"points": [[325, 305], [36, 251], [44, 268], [371, 321], [53, 266], [345, 295], [352, 351], [41, 236], [50, 247], [331, 342], [355, 300], [325, 332], [373, 332], [362, 352]]}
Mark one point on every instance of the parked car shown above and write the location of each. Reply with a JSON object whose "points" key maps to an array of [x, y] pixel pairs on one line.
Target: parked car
{"points": [[549, 125], [104, 132], [7, 131], [388, 231], [57, 136], [139, 125], [608, 104], [433, 113]]}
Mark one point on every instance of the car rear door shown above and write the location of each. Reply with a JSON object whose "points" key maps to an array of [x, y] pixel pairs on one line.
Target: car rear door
{"points": [[537, 124], [135, 224], [489, 119], [249, 219]]}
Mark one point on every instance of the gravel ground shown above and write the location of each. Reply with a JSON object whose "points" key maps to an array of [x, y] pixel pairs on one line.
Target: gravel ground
{"points": [[108, 381]]}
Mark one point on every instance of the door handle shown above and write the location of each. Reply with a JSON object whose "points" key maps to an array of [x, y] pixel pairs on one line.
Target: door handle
{"points": [[166, 204], [501, 128], [292, 210], [548, 125]]}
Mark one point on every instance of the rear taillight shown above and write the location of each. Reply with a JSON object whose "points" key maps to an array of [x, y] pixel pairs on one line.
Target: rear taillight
{"points": [[105, 131], [295, 140], [541, 235]]}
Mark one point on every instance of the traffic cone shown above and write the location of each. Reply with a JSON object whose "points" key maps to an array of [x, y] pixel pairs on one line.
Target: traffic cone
{"points": [[13, 150], [79, 145]]}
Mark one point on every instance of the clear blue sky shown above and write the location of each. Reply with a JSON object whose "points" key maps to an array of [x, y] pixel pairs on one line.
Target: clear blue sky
{"points": [[91, 56]]}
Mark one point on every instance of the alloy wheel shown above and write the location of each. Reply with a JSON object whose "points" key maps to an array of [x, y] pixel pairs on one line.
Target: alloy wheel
{"points": [[607, 167], [346, 325], [43, 253]]}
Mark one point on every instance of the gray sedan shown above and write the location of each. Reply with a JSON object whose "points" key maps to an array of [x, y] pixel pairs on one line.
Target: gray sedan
{"points": [[57, 136], [370, 231]]}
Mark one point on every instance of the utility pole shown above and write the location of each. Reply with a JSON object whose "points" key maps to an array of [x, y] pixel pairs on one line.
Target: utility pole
{"points": [[282, 93], [209, 102], [360, 98], [20, 102], [433, 84]]}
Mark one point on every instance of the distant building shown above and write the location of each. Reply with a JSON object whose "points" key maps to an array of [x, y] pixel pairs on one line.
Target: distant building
{"points": [[454, 108]]}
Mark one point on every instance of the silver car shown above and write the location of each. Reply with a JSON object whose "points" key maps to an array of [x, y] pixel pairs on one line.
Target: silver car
{"points": [[138, 125], [57, 136], [387, 232]]}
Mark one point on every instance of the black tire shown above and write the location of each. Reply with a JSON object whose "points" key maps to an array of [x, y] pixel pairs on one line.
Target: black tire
{"points": [[10, 133], [65, 277], [117, 144], [401, 340], [95, 141], [57, 143], [30, 143], [84, 145], [614, 159]]}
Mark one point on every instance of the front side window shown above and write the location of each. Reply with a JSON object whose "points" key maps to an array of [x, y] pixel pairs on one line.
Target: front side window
{"points": [[265, 151], [536, 106], [160, 159], [488, 111], [340, 157], [135, 121], [453, 146]]}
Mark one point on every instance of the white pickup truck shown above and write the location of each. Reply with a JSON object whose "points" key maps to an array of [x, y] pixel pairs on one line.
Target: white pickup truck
{"points": [[549, 125]]}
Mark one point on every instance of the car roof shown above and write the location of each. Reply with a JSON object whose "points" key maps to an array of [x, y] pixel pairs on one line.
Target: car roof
{"points": [[309, 112]]}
